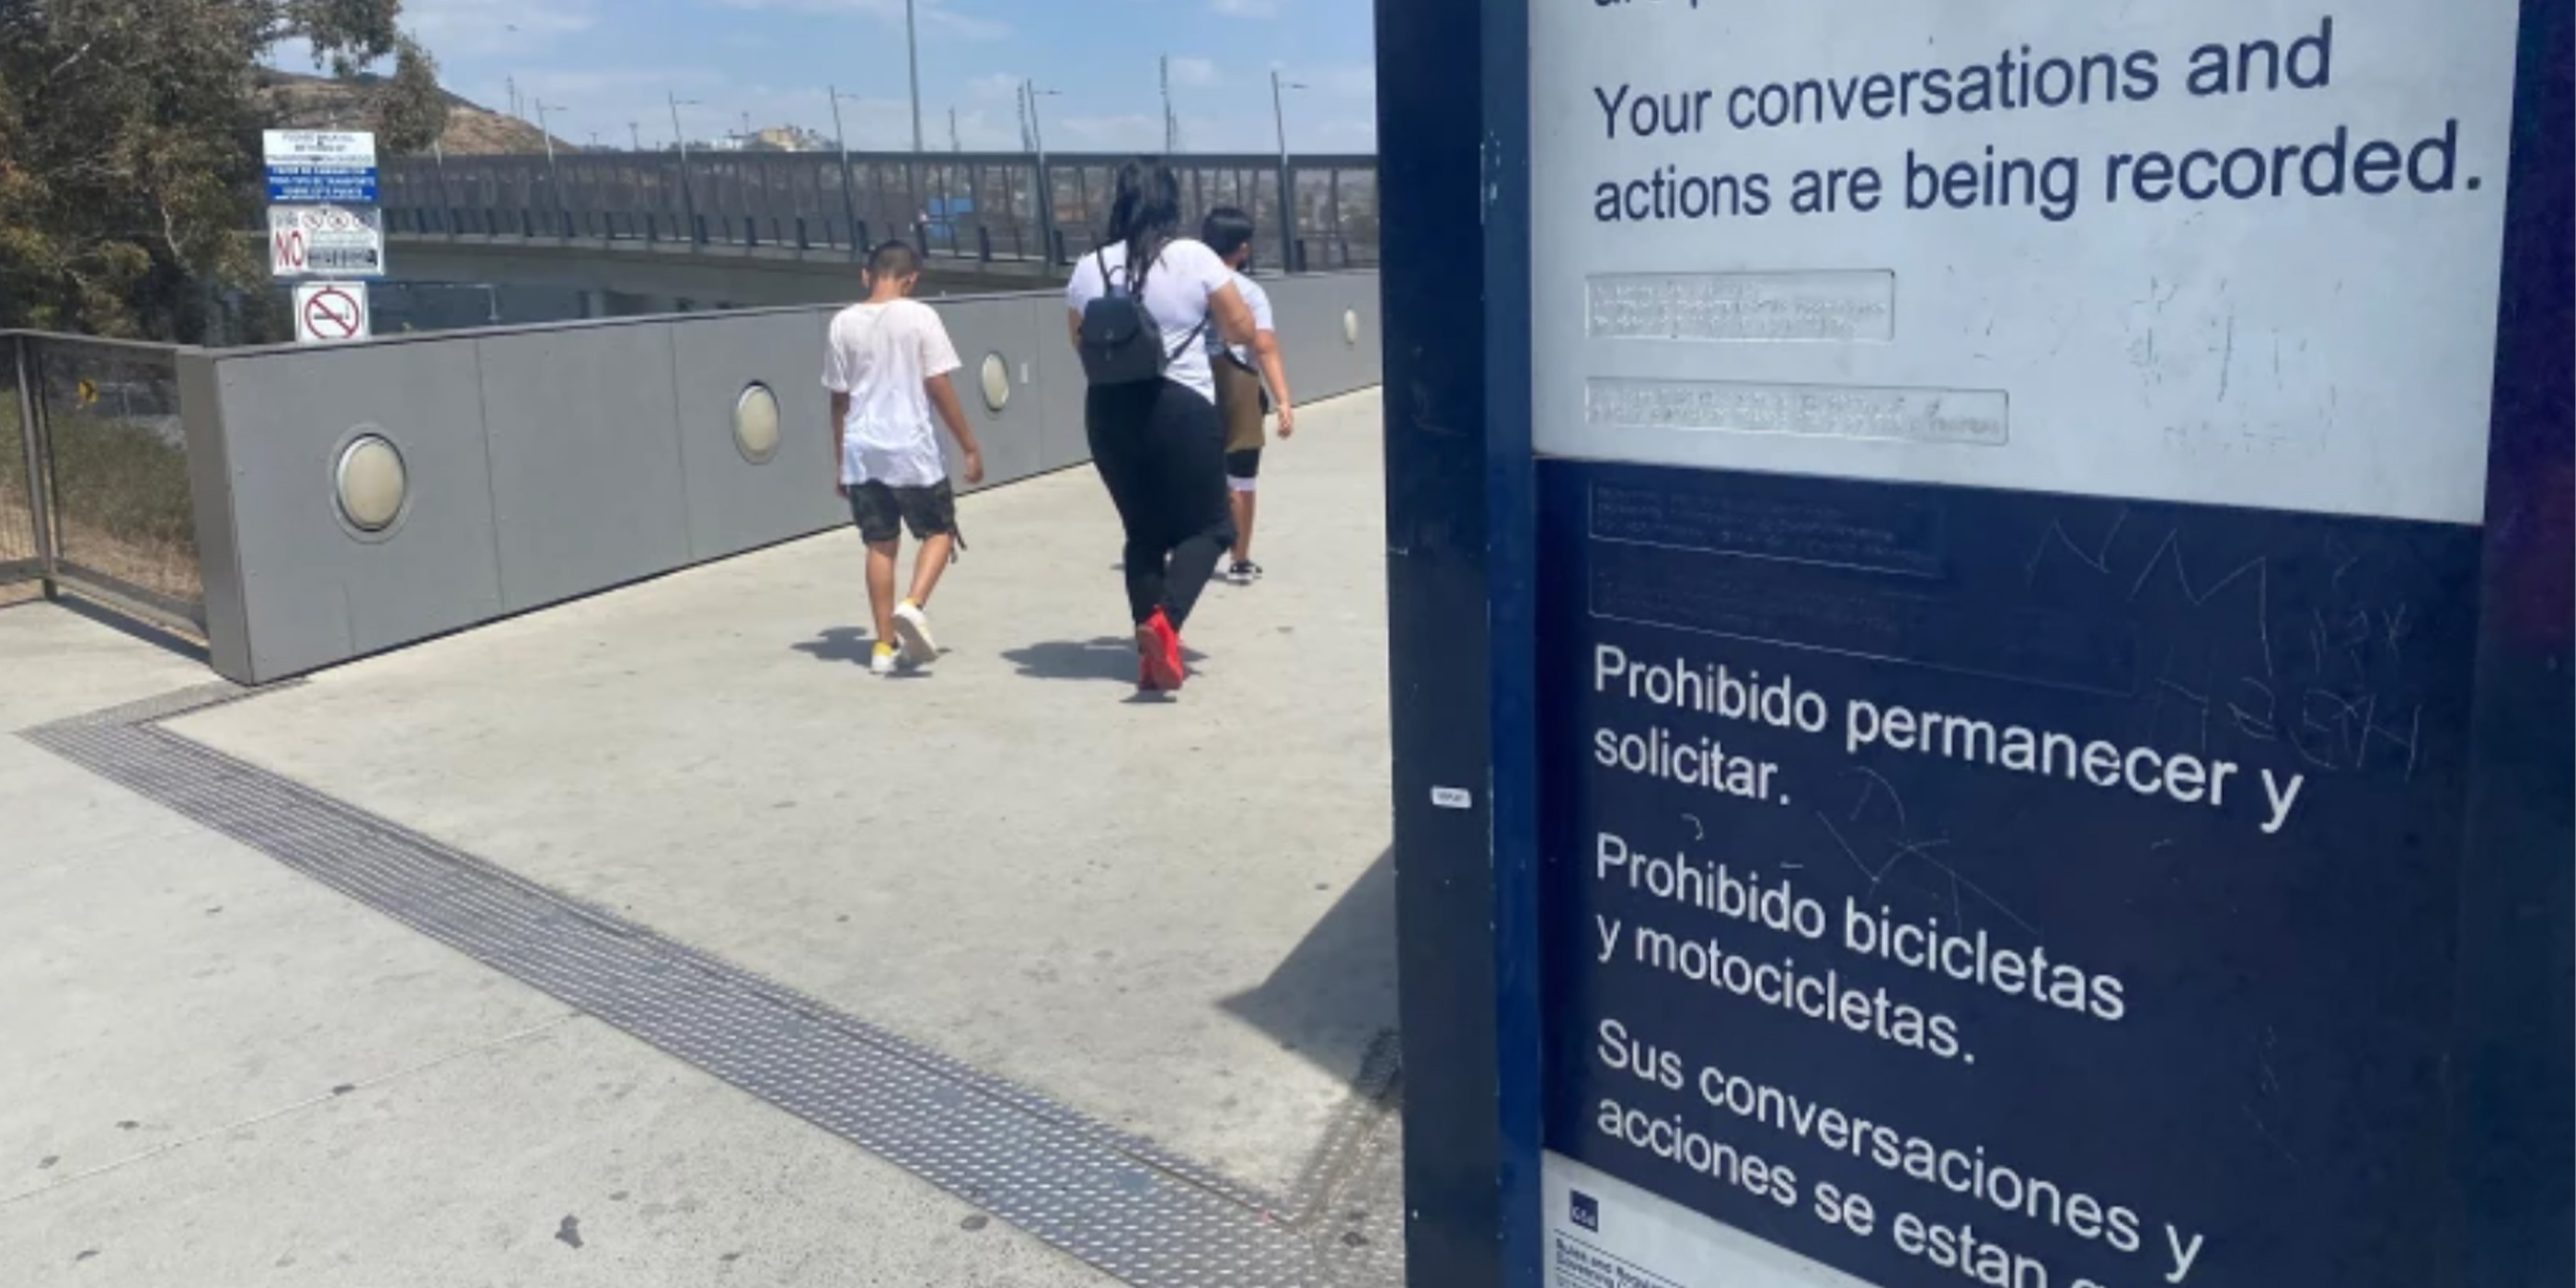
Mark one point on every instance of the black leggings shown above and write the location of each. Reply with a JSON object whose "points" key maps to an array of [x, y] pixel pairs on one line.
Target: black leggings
{"points": [[1161, 450]]}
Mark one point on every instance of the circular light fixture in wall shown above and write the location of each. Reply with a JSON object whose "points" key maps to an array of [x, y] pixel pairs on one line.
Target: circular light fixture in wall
{"points": [[755, 423], [370, 482], [1351, 327], [997, 383]]}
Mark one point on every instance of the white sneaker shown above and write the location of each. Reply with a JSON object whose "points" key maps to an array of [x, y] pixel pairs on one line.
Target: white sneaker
{"points": [[881, 661], [912, 626]]}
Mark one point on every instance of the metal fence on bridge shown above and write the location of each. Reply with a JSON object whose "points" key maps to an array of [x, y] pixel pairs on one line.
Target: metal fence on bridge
{"points": [[94, 484], [986, 206]]}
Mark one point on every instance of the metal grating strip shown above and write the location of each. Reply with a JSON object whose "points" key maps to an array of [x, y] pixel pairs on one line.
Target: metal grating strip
{"points": [[1104, 1196]]}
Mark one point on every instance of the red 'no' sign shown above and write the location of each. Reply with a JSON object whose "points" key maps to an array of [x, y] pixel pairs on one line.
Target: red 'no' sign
{"points": [[332, 314]]}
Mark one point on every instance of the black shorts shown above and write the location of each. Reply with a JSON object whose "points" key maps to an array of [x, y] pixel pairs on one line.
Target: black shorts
{"points": [[1244, 465], [882, 511]]}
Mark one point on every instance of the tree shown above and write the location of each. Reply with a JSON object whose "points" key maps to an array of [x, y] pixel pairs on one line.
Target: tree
{"points": [[410, 109], [129, 148]]}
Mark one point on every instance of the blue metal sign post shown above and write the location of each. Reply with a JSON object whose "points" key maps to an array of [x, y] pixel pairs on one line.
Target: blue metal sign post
{"points": [[1981, 608]]}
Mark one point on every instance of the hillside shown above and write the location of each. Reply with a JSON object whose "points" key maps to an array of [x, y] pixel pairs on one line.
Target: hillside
{"points": [[313, 102]]}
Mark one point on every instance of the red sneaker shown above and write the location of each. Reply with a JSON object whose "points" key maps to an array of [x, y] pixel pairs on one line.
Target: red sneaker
{"points": [[1158, 655]]}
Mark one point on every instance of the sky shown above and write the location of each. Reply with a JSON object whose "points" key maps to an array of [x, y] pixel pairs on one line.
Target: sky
{"points": [[600, 65]]}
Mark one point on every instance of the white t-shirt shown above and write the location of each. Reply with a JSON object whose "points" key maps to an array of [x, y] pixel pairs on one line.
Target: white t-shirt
{"points": [[879, 354], [1176, 293], [1255, 299]]}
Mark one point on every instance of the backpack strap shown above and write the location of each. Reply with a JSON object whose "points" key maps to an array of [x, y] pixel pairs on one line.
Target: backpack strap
{"points": [[1186, 341]]}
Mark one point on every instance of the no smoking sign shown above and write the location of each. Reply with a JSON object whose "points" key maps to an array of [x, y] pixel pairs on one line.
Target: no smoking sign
{"points": [[331, 312]]}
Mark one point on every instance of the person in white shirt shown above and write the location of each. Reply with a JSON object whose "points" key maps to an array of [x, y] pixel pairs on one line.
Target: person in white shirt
{"points": [[1156, 440], [887, 364], [1247, 378]]}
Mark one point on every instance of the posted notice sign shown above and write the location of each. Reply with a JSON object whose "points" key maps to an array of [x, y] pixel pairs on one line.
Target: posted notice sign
{"points": [[331, 312], [2009, 543], [313, 166], [326, 241]]}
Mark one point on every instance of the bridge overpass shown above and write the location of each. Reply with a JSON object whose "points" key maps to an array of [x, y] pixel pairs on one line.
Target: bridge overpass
{"points": [[643, 233]]}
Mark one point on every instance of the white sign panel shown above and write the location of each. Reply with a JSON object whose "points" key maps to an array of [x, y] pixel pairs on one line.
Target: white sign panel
{"points": [[2229, 251], [331, 312], [1605, 1233], [305, 166], [322, 149], [326, 241]]}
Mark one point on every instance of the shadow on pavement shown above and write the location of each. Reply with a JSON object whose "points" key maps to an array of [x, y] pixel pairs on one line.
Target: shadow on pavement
{"points": [[1110, 657], [131, 628], [1334, 995], [840, 644]]}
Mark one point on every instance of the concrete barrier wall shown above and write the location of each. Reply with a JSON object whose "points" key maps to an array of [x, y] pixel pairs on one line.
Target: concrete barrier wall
{"points": [[546, 463]]}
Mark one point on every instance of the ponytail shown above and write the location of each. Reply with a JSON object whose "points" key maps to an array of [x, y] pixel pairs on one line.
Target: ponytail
{"points": [[1145, 215]]}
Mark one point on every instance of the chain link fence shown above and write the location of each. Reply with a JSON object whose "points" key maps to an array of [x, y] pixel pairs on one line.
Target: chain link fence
{"points": [[96, 498], [22, 565]]}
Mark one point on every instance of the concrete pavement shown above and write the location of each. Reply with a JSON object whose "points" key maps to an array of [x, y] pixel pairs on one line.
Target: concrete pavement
{"points": [[220, 1073], [1169, 921]]}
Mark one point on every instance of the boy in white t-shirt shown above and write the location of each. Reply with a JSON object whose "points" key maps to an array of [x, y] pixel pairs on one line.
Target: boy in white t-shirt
{"points": [[887, 365]]}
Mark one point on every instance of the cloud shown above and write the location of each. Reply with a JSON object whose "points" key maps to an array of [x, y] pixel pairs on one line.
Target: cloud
{"points": [[1194, 73], [1126, 132], [994, 85], [965, 26], [1246, 8], [1309, 133], [976, 131], [936, 16], [1356, 81], [495, 26], [294, 54]]}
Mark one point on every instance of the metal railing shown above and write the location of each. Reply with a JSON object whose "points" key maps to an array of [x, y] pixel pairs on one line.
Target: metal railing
{"points": [[94, 487], [975, 206]]}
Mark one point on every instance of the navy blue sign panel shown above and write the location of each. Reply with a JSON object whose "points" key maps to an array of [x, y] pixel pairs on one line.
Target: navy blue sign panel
{"points": [[321, 185], [1952, 885]]}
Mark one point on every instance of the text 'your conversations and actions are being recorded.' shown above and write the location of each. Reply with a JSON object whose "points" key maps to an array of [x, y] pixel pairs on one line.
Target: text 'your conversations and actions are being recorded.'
{"points": [[2319, 163]]}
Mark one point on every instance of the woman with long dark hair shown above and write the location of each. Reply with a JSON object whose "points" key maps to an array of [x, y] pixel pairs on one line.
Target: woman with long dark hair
{"points": [[1142, 307]]}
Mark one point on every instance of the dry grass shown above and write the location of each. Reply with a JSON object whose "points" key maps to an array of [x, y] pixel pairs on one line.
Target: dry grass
{"points": [[314, 103], [122, 502], [17, 525]]}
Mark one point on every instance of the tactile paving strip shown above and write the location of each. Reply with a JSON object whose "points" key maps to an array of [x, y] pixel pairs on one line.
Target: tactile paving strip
{"points": [[1126, 1207]]}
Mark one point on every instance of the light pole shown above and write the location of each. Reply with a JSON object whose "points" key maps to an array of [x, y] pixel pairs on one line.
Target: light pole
{"points": [[635, 134], [446, 199], [1037, 134], [1171, 124], [947, 181], [688, 191], [912, 77], [1046, 182], [1287, 178], [849, 205], [554, 177]]}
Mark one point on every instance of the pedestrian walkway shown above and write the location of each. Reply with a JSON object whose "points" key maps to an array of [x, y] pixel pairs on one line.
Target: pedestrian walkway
{"points": [[651, 939]]}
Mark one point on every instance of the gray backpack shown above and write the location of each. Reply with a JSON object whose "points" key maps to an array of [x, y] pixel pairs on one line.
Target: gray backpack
{"points": [[1121, 342]]}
